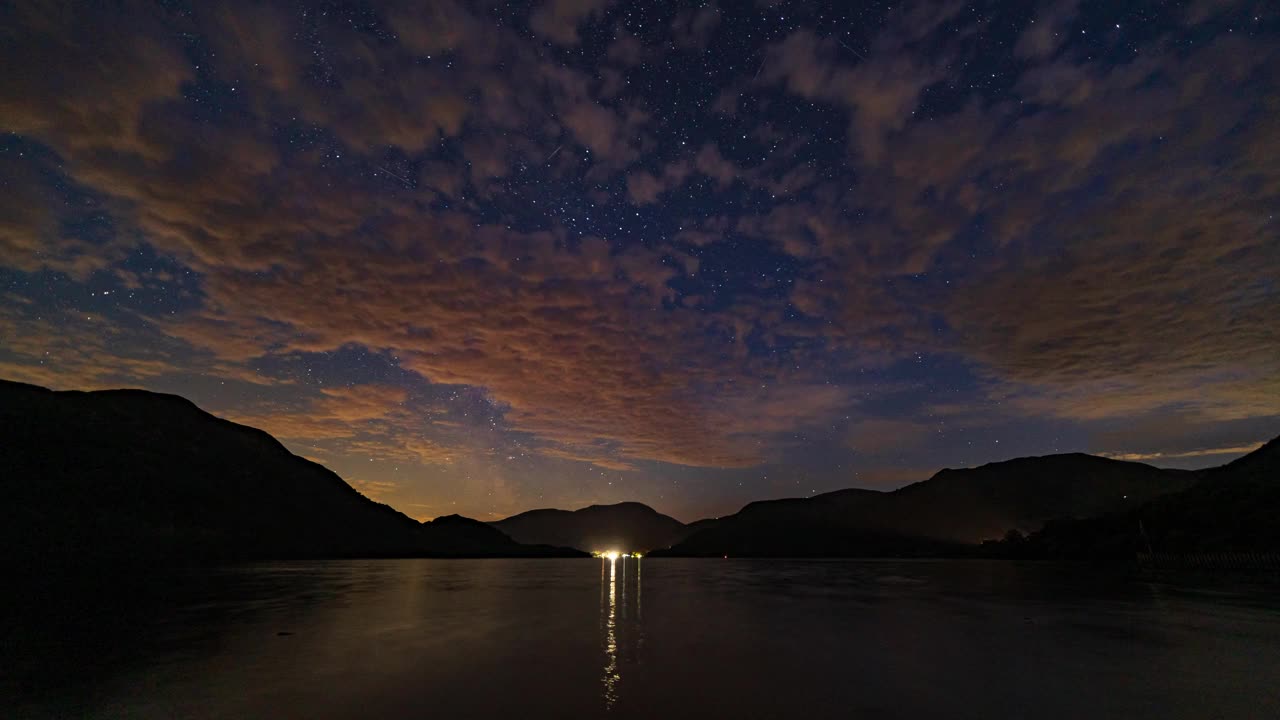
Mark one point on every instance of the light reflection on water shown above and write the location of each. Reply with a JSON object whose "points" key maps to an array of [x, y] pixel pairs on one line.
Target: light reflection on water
{"points": [[611, 676], [620, 621], [685, 638]]}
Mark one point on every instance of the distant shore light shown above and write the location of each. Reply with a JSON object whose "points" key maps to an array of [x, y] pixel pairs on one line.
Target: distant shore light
{"points": [[615, 554]]}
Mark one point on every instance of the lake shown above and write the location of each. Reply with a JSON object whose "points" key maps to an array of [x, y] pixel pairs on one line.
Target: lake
{"points": [[645, 638]]}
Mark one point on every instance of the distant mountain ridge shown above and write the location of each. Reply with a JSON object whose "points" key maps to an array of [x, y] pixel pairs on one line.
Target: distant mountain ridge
{"points": [[952, 509], [111, 475], [117, 475], [1233, 508], [626, 527]]}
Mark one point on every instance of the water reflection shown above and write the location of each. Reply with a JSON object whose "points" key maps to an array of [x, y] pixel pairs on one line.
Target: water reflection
{"points": [[766, 639], [620, 620]]}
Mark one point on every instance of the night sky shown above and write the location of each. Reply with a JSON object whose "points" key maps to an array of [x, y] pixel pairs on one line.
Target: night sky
{"points": [[483, 258]]}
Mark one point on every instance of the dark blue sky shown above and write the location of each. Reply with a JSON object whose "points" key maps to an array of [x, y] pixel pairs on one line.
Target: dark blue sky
{"points": [[484, 258]]}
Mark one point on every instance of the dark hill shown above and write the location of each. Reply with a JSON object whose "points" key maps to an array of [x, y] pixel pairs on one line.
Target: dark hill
{"points": [[131, 475], [458, 536], [1232, 508], [974, 504], [628, 526], [953, 509]]}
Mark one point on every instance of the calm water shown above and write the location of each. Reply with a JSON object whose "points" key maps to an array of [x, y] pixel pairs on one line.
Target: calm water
{"points": [[653, 638]]}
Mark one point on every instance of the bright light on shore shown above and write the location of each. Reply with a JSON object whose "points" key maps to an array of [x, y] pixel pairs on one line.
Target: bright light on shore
{"points": [[614, 554]]}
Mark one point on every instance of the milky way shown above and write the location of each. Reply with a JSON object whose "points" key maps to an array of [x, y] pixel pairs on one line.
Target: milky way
{"points": [[479, 259]]}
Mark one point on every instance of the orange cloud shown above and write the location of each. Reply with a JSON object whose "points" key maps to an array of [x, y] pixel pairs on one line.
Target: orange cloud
{"points": [[1100, 246]]}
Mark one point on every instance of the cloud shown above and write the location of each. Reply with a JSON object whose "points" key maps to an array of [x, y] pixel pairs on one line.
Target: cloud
{"points": [[711, 163], [589, 455], [558, 20], [296, 258], [626, 49], [374, 489], [362, 421], [1175, 455], [1173, 254], [880, 92], [880, 436], [1047, 32], [83, 349], [644, 188], [563, 335], [1181, 434], [692, 28], [1096, 242], [29, 235], [333, 413], [64, 100], [1129, 261], [403, 448], [775, 174]]}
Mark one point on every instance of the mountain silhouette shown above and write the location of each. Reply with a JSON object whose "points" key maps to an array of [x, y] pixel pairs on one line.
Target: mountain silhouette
{"points": [[627, 527], [1231, 508], [132, 476], [952, 510], [129, 475]]}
